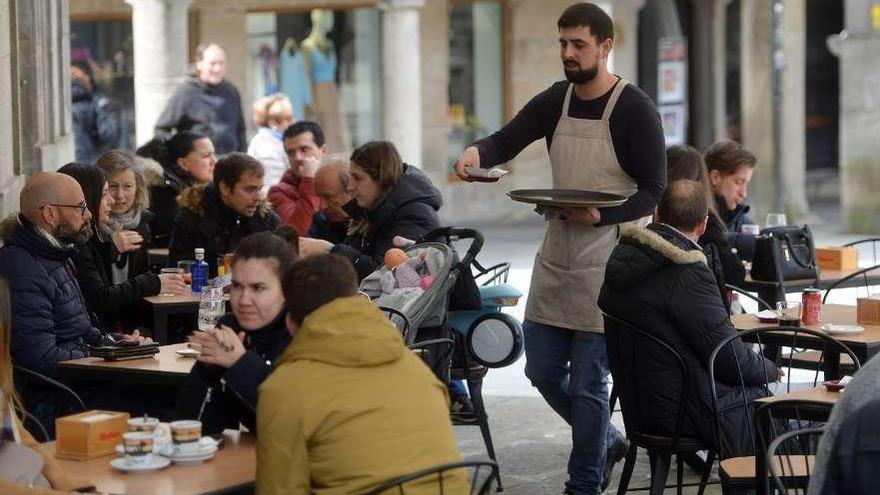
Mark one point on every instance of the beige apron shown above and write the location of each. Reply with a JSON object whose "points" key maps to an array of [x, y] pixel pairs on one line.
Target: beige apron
{"points": [[570, 267]]}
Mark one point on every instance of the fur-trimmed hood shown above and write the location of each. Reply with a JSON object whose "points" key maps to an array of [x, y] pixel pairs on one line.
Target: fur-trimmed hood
{"points": [[204, 197], [645, 251]]}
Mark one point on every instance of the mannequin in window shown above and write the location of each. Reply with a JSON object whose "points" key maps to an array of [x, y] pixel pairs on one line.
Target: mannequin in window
{"points": [[320, 57]]}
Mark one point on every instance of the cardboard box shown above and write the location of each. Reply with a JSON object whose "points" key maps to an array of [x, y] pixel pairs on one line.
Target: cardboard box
{"points": [[838, 258], [89, 434], [868, 311]]}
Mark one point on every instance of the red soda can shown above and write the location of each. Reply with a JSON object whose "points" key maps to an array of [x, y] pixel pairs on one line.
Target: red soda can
{"points": [[811, 301]]}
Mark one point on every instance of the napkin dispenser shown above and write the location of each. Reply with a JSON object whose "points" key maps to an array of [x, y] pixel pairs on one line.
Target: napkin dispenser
{"points": [[89, 434], [838, 258], [868, 310]]}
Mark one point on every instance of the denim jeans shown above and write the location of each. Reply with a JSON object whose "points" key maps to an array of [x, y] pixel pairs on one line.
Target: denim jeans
{"points": [[570, 370]]}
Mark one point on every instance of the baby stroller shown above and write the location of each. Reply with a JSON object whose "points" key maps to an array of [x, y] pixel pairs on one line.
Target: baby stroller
{"points": [[421, 313]]}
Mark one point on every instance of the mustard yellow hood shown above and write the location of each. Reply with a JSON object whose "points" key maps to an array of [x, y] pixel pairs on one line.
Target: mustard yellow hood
{"points": [[348, 331]]}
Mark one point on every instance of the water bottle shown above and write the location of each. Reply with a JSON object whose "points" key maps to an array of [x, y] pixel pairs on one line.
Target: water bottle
{"points": [[199, 271]]}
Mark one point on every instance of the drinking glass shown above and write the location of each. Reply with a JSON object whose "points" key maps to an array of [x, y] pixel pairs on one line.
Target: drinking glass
{"points": [[776, 220], [186, 270], [788, 313], [750, 229], [174, 271], [211, 307]]}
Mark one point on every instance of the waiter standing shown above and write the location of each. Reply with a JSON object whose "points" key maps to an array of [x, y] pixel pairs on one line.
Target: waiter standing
{"points": [[603, 134]]}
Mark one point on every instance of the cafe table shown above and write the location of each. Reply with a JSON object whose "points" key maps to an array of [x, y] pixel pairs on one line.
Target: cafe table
{"points": [[232, 470], [774, 291], [158, 256], [162, 307], [864, 344], [166, 368]]}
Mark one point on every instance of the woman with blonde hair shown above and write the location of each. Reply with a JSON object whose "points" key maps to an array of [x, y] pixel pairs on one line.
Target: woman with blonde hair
{"points": [[274, 113], [389, 198], [35, 466]]}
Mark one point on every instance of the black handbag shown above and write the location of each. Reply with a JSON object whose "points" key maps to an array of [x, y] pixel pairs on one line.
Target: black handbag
{"points": [[785, 253]]}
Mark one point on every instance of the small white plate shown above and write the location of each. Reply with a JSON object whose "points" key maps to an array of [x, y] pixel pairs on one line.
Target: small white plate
{"points": [[832, 329], [187, 352], [486, 174], [194, 457], [156, 462]]}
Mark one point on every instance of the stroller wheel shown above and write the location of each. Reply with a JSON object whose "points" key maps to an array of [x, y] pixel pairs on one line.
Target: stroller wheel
{"points": [[495, 340]]}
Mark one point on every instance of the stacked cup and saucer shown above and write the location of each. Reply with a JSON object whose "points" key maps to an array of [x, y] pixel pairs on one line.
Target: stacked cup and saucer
{"points": [[141, 446], [188, 446]]}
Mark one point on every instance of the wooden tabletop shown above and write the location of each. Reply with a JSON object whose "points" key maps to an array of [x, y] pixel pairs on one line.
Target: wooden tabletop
{"points": [[183, 299], [840, 314], [818, 394], [167, 361], [234, 466]]}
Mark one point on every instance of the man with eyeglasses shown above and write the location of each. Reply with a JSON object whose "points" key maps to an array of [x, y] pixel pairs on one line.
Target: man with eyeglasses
{"points": [[50, 322]]}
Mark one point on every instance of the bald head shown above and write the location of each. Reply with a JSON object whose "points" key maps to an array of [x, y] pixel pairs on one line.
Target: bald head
{"points": [[47, 188], [331, 181]]}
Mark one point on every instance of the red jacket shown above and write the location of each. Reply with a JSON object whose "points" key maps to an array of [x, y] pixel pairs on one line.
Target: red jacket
{"points": [[295, 201]]}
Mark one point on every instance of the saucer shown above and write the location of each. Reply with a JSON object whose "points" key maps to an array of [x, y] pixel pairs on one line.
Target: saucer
{"points": [[194, 457], [156, 462], [832, 329], [206, 445]]}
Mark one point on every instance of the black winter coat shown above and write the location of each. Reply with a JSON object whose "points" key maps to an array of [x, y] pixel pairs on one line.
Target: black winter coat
{"points": [[734, 220], [851, 468], [205, 221], [408, 210], [658, 280], [115, 304], [210, 109], [50, 320], [163, 203], [235, 400], [731, 270]]}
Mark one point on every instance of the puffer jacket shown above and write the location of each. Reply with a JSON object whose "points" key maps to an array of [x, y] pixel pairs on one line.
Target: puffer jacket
{"points": [[115, 305], [163, 203], [50, 320], [658, 280], [348, 407], [234, 400], [295, 201], [205, 221], [408, 210]]}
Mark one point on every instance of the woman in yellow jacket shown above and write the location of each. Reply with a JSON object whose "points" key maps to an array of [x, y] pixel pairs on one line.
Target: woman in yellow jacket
{"points": [[348, 406], [12, 430]]}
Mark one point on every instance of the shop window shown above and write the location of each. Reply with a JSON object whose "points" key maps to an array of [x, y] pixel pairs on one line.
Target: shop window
{"points": [[105, 48], [476, 64], [327, 62]]}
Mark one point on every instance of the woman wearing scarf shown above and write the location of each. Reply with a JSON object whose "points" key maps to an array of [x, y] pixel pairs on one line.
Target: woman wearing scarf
{"points": [[111, 267]]}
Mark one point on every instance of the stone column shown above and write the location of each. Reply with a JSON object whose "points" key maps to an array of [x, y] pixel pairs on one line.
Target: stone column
{"points": [[401, 78], [756, 100], [792, 140], [625, 55], [702, 44], [159, 29], [857, 49], [719, 68]]}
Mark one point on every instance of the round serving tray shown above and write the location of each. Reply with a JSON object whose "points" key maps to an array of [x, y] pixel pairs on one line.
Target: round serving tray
{"points": [[567, 197]]}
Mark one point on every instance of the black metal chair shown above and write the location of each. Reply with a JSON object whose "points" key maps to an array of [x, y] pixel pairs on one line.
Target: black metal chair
{"points": [[874, 241], [626, 343], [862, 272], [790, 472], [738, 471], [482, 474], [435, 354], [27, 382], [741, 291]]}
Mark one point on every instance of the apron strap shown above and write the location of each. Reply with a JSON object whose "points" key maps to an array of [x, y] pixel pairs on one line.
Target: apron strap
{"points": [[567, 100], [612, 101]]}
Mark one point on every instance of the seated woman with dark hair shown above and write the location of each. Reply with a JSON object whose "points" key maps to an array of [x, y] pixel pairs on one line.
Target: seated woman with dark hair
{"points": [[685, 162], [187, 159], [389, 198], [243, 348], [109, 295]]}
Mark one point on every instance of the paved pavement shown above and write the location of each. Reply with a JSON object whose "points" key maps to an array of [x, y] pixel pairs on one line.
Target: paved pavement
{"points": [[531, 441]]}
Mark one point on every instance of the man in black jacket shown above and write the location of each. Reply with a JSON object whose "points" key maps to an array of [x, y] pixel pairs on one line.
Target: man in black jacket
{"points": [[219, 215], [657, 279], [207, 104]]}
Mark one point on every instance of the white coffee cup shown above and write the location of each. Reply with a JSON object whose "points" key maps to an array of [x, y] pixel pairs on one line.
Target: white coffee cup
{"points": [[143, 423], [138, 447], [185, 435]]}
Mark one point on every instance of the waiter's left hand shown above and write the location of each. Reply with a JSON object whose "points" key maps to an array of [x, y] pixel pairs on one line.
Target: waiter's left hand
{"points": [[587, 215]]}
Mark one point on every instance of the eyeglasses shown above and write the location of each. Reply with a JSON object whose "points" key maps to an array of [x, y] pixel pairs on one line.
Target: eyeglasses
{"points": [[82, 207]]}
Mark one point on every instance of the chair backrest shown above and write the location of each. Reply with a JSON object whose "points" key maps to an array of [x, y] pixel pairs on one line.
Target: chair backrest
{"points": [[435, 354], [790, 460], [627, 346], [844, 281], [778, 340], [874, 243], [762, 304], [482, 475]]}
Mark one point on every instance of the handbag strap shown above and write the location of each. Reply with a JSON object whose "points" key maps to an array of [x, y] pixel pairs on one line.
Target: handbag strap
{"points": [[806, 264]]}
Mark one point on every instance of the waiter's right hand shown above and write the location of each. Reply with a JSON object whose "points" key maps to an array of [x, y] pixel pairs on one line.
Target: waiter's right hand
{"points": [[468, 158]]}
